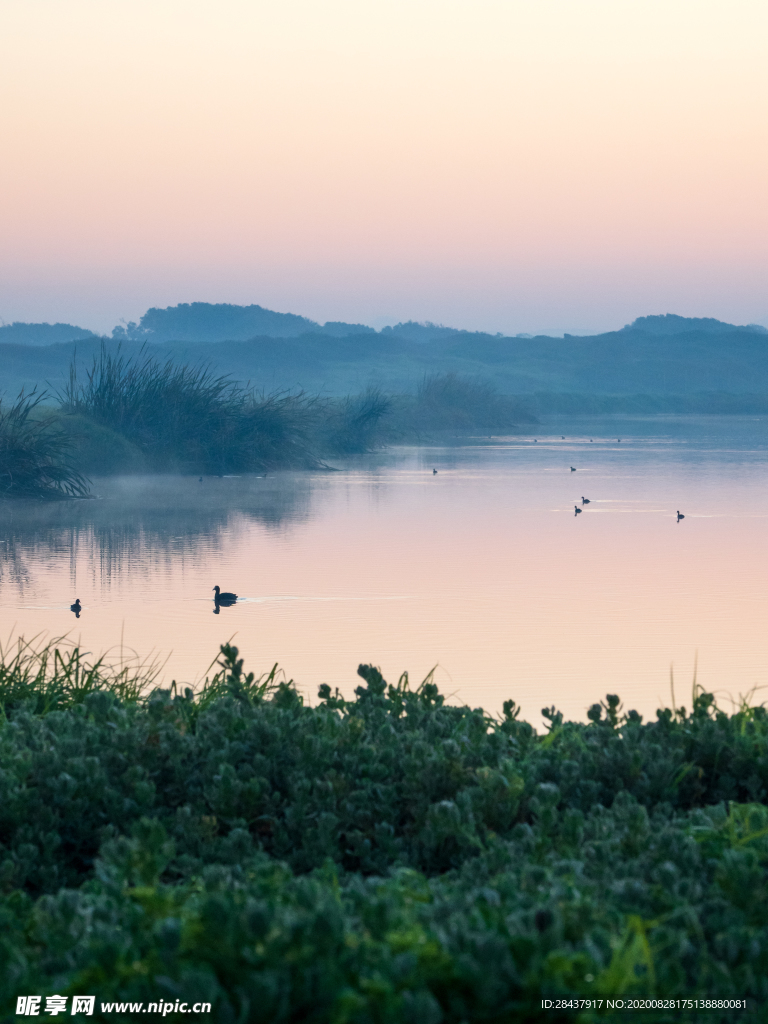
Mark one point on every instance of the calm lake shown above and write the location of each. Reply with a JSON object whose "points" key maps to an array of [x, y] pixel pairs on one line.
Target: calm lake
{"points": [[483, 569]]}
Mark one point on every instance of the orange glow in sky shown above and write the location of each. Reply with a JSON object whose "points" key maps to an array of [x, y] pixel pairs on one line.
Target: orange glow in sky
{"points": [[514, 165]]}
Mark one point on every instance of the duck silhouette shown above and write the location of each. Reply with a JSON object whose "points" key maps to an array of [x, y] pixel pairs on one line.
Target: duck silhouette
{"points": [[225, 598], [434, 472], [584, 501], [680, 516], [577, 511], [76, 607], [573, 469]]}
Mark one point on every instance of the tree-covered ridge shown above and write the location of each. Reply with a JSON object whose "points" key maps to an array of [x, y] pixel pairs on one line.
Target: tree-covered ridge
{"points": [[42, 334], [670, 324], [208, 321], [223, 321], [681, 360], [389, 858]]}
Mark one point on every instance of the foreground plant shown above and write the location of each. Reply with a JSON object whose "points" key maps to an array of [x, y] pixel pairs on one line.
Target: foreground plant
{"points": [[385, 858], [42, 675]]}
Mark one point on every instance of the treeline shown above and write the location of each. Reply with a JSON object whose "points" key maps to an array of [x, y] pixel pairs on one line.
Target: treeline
{"points": [[141, 415], [389, 858]]}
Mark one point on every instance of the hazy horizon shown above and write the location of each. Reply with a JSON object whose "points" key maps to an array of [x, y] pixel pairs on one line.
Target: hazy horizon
{"points": [[500, 166], [377, 323]]}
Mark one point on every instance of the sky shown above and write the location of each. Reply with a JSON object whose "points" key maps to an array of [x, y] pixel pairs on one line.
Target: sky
{"points": [[503, 165]]}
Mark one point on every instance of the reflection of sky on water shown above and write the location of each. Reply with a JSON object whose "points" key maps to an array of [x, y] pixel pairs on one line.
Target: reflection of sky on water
{"points": [[482, 569]]}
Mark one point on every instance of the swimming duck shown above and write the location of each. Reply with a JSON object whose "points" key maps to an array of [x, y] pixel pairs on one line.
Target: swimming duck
{"points": [[76, 607], [573, 469], [680, 516], [577, 511], [584, 501], [225, 598]]}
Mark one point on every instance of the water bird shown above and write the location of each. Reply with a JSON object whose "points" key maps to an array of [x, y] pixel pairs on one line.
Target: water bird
{"points": [[225, 598], [76, 607], [590, 440], [584, 501], [618, 440], [434, 472], [201, 479], [562, 437], [680, 516], [573, 469], [535, 440], [577, 511]]}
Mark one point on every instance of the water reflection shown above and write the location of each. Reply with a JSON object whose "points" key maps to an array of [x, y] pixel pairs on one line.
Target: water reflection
{"points": [[143, 521], [496, 568]]}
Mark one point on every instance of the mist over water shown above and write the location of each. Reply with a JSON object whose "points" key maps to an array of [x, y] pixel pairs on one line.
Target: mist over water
{"points": [[482, 569]]}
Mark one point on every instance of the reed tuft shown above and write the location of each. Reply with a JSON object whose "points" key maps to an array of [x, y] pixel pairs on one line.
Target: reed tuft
{"points": [[36, 454]]}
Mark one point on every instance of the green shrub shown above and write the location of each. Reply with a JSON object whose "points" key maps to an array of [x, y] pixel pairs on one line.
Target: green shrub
{"points": [[389, 858]]}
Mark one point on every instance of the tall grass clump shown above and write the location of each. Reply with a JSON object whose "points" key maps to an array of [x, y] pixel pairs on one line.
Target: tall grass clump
{"points": [[49, 675], [452, 402], [36, 454], [42, 675], [188, 418], [356, 424]]}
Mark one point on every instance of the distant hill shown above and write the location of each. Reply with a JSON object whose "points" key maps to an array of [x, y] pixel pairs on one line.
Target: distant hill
{"points": [[669, 323], [412, 331], [41, 334], [666, 360], [206, 321]]}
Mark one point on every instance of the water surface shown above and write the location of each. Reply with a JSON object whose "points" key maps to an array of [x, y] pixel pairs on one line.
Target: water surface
{"points": [[482, 569]]}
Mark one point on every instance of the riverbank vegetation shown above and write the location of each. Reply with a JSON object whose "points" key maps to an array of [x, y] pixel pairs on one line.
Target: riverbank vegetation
{"points": [[128, 415], [389, 858]]}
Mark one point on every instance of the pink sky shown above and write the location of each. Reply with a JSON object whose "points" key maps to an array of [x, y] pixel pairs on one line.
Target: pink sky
{"points": [[513, 165]]}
